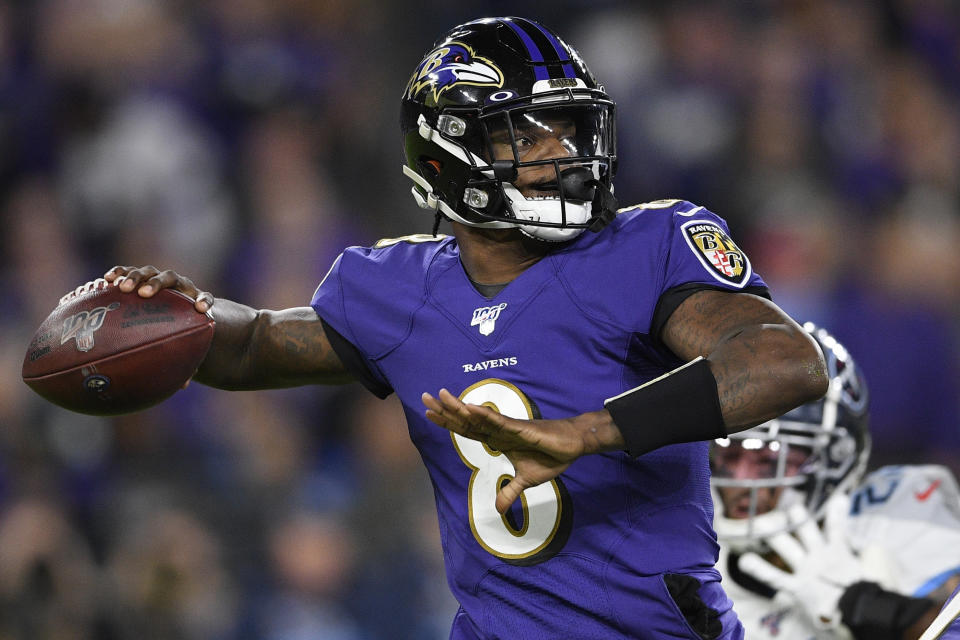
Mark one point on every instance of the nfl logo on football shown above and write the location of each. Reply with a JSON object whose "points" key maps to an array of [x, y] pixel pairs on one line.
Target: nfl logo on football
{"points": [[83, 325], [486, 317]]}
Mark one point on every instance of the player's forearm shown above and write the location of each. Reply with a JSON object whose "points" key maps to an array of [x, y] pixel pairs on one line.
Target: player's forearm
{"points": [[743, 369], [227, 361], [763, 371], [764, 363], [263, 349]]}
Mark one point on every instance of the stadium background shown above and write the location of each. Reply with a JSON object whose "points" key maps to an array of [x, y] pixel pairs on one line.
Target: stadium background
{"points": [[245, 142]]}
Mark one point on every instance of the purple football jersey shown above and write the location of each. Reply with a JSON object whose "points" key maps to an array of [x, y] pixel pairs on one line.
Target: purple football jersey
{"points": [[588, 550]]}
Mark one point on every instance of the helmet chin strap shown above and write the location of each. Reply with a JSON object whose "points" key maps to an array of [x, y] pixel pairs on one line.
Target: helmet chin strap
{"points": [[431, 202], [604, 206]]}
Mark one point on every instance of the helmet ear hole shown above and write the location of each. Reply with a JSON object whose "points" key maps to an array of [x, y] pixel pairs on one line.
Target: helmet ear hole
{"points": [[429, 167]]}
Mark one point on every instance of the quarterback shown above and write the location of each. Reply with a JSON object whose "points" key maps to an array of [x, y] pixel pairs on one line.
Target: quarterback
{"points": [[812, 549], [562, 363]]}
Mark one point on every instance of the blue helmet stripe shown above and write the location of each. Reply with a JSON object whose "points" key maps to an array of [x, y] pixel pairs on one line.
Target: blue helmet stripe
{"points": [[539, 69], [561, 52]]}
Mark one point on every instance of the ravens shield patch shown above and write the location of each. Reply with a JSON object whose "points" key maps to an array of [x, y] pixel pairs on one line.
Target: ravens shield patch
{"points": [[718, 253]]}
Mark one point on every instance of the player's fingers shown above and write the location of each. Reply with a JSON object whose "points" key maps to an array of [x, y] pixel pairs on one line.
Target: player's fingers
{"points": [[788, 548], [437, 414], [504, 433], [453, 404], [810, 536], [442, 420], [755, 566], [835, 521], [160, 280], [116, 271], [204, 301], [454, 425], [438, 419], [134, 277], [168, 279], [450, 401], [460, 418], [509, 493], [807, 529], [480, 413], [431, 403], [435, 411]]}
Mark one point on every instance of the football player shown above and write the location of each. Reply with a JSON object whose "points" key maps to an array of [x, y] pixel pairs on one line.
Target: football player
{"points": [[570, 344], [810, 549]]}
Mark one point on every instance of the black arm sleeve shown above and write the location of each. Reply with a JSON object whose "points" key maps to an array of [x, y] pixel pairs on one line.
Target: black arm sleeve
{"points": [[672, 298], [355, 363]]}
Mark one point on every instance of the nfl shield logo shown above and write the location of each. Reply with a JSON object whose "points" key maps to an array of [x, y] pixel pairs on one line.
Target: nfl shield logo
{"points": [[486, 317], [83, 325]]}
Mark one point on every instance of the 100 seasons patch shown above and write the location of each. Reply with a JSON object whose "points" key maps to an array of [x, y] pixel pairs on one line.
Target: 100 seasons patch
{"points": [[717, 252]]}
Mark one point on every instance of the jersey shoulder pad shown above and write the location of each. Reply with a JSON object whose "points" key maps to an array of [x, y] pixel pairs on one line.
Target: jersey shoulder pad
{"points": [[656, 212], [613, 276], [681, 219], [701, 247], [621, 273], [371, 293]]}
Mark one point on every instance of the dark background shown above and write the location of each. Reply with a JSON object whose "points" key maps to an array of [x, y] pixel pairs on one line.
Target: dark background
{"points": [[246, 142]]}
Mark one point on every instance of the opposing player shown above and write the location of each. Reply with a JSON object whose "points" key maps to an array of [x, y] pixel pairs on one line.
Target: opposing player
{"points": [[811, 549], [576, 344]]}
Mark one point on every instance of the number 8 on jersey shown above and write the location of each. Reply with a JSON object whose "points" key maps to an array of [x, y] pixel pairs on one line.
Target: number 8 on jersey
{"points": [[546, 508]]}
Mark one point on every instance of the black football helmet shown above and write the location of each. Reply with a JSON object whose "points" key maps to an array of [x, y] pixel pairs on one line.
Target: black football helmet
{"points": [[483, 92], [807, 454]]}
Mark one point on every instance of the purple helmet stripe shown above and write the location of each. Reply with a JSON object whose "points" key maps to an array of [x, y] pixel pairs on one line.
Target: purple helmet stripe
{"points": [[561, 52], [539, 69]]}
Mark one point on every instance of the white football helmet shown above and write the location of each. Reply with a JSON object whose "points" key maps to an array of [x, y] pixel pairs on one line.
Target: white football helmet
{"points": [[801, 457]]}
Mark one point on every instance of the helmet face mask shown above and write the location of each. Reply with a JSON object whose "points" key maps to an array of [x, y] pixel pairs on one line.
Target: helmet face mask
{"points": [[498, 134], [803, 457]]}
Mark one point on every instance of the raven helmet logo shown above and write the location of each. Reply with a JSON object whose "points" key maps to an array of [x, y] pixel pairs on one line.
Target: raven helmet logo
{"points": [[448, 66], [717, 252]]}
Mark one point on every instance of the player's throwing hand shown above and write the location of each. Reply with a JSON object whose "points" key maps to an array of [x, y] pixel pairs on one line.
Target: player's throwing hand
{"points": [[148, 280]]}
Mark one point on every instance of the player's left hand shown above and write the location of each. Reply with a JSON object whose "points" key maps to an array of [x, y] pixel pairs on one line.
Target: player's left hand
{"points": [[540, 450], [823, 564]]}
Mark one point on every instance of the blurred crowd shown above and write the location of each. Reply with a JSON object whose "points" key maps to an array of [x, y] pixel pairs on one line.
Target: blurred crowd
{"points": [[245, 142]]}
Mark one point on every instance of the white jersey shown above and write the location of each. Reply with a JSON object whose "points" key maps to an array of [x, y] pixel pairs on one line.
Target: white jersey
{"points": [[906, 517]]}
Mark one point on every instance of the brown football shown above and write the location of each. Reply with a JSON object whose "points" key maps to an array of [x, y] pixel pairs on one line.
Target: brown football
{"points": [[105, 352]]}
